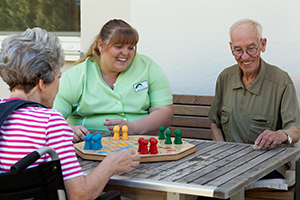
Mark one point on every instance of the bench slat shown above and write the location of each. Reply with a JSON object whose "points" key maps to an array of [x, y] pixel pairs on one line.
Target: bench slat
{"points": [[196, 133], [191, 110], [192, 99], [191, 122]]}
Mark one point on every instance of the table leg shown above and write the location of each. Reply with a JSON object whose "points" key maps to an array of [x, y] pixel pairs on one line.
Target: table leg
{"points": [[297, 186], [239, 196], [175, 196]]}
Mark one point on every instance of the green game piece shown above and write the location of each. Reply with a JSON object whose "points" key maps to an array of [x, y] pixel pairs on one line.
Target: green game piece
{"points": [[168, 137], [161, 133], [178, 134]]}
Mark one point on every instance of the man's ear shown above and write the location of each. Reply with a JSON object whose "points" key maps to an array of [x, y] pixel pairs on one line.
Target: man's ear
{"points": [[263, 44], [41, 85], [230, 46]]}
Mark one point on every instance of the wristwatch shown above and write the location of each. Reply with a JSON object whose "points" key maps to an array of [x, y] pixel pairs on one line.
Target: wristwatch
{"points": [[289, 140]]}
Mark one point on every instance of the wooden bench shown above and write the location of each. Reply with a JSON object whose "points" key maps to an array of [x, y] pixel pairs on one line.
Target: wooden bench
{"points": [[190, 116]]}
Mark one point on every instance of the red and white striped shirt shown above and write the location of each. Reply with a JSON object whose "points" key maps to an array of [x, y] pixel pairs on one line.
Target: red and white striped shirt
{"points": [[30, 128]]}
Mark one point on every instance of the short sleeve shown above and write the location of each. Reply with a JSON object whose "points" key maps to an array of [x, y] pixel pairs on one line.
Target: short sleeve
{"points": [[59, 136], [159, 91], [215, 108], [290, 113]]}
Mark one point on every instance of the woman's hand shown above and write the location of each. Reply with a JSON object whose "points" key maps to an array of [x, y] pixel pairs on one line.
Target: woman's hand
{"points": [[111, 123], [79, 133]]}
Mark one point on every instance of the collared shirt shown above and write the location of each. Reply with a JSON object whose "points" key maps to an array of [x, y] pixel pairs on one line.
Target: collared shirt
{"points": [[85, 99], [243, 113]]}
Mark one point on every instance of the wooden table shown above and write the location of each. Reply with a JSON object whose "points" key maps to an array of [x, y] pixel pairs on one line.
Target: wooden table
{"points": [[216, 169]]}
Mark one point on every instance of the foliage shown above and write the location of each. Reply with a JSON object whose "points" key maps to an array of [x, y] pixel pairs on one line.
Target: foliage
{"points": [[52, 15]]}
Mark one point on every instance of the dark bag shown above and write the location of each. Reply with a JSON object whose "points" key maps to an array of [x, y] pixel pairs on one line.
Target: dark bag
{"points": [[9, 106]]}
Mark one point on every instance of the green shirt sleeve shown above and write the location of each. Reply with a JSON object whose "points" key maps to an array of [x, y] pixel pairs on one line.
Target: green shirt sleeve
{"points": [[159, 91], [70, 91]]}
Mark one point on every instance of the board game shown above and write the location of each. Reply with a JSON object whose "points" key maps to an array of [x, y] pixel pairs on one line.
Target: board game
{"points": [[166, 152]]}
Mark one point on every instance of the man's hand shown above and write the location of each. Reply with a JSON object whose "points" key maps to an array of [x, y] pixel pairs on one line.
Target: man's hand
{"points": [[269, 139]]}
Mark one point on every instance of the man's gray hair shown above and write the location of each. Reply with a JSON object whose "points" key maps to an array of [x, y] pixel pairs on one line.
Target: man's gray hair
{"points": [[28, 57], [244, 22]]}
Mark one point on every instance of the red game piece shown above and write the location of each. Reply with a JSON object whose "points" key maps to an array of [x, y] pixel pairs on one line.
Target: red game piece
{"points": [[140, 144], [144, 149], [153, 146]]}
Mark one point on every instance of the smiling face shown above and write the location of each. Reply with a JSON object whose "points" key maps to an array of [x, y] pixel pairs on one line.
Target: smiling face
{"points": [[116, 58], [244, 37]]}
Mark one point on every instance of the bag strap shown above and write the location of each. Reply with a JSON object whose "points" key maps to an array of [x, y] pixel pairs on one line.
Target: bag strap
{"points": [[9, 106]]}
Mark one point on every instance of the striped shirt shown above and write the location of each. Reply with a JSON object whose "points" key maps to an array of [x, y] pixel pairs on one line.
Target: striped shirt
{"points": [[30, 128]]}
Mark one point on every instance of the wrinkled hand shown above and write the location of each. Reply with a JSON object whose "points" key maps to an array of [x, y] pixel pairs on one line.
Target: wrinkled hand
{"points": [[79, 133], [111, 123], [269, 139], [123, 161]]}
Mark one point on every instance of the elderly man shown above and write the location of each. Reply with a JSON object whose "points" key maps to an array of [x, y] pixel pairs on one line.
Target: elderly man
{"points": [[255, 102]]}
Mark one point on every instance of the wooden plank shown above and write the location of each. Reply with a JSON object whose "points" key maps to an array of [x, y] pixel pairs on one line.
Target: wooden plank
{"points": [[191, 122], [216, 166], [191, 110], [210, 174], [194, 166], [195, 133], [144, 194], [192, 99], [137, 193], [254, 172], [263, 193], [168, 167]]}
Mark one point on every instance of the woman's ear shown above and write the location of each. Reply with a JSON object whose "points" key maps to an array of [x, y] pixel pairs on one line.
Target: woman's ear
{"points": [[42, 85], [100, 45]]}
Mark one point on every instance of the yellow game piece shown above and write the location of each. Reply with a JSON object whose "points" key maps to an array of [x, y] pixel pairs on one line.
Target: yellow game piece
{"points": [[255, 147], [125, 134], [116, 133]]}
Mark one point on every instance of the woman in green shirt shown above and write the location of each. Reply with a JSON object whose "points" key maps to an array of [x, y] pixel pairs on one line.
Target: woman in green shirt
{"points": [[113, 85]]}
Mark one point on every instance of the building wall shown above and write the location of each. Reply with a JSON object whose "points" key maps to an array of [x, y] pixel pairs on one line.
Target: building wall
{"points": [[189, 39]]}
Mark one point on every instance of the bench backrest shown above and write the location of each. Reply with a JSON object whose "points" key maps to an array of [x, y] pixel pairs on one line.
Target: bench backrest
{"points": [[190, 116]]}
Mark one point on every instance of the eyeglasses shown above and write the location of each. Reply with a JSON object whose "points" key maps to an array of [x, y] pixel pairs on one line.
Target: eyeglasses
{"points": [[249, 51]]}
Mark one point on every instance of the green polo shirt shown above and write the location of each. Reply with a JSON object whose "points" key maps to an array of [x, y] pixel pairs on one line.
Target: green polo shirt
{"points": [[85, 99], [243, 113]]}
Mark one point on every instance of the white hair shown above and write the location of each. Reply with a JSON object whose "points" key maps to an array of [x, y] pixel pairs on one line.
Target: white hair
{"points": [[245, 22]]}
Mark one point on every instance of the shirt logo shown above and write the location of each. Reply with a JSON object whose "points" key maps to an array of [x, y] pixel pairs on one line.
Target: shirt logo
{"points": [[140, 86]]}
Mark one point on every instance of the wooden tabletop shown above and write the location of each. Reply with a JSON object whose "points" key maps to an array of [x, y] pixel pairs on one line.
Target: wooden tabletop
{"points": [[216, 169]]}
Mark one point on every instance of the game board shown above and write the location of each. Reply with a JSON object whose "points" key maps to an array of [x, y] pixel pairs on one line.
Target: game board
{"points": [[166, 152]]}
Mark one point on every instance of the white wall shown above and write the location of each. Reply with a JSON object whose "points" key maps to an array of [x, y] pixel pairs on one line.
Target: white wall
{"points": [[189, 38]]}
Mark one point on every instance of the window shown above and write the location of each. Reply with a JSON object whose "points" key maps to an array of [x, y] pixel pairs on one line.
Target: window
{"points": [[62, 17], [52, 15]]}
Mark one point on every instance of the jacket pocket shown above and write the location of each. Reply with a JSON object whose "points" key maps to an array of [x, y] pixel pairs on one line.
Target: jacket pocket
{"points": [[258, 125]]}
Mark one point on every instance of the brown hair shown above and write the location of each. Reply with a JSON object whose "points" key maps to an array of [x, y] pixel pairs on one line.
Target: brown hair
{"points": [[115, 31]]}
